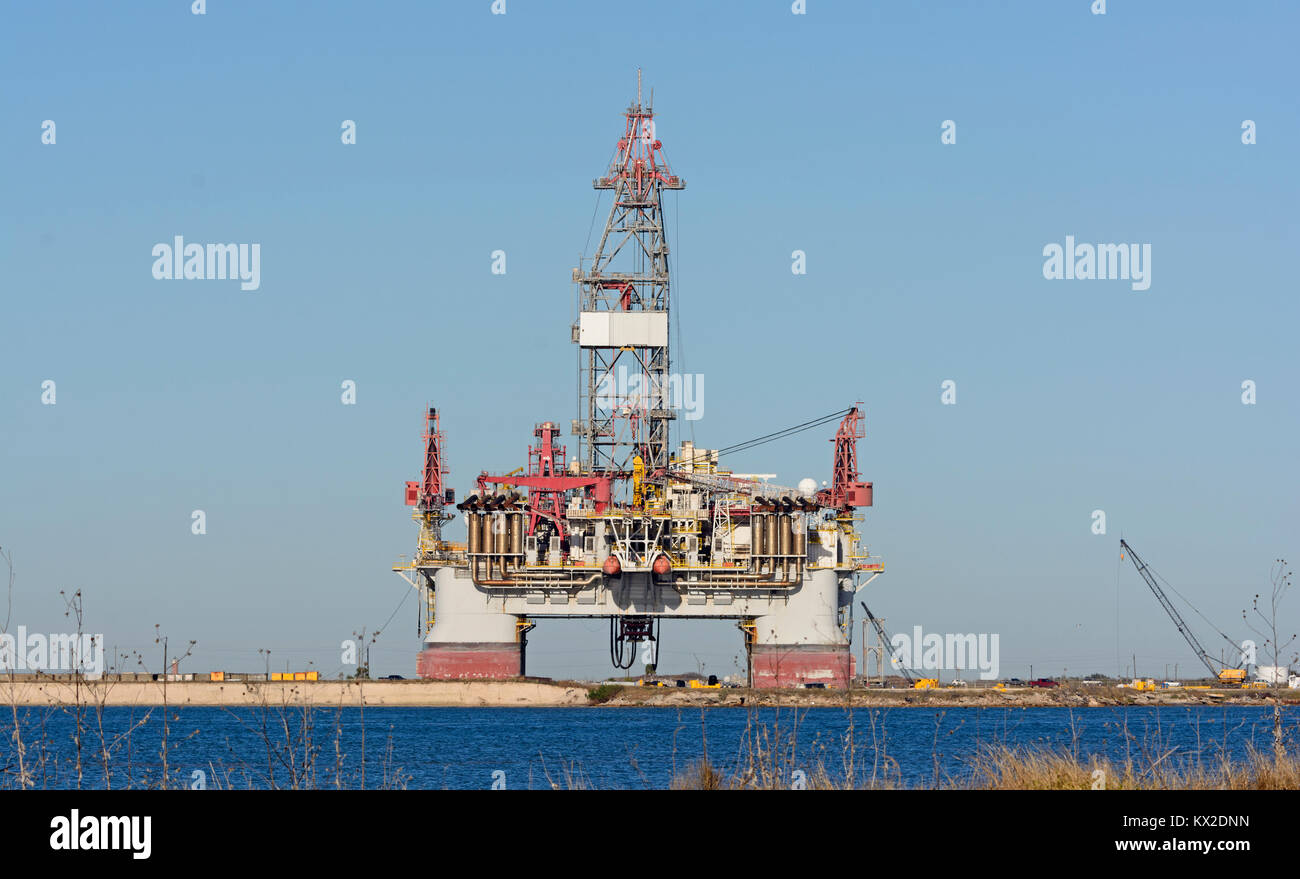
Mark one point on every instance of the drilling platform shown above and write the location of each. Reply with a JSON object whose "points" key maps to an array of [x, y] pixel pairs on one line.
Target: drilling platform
{"points": [[631, 528]]}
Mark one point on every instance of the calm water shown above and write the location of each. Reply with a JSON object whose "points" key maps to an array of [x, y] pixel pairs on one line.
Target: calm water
{"points": [[602, 748]]}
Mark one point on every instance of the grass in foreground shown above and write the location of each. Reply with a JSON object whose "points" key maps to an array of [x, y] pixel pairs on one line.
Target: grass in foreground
{"points": [[770, 759], [1026, 769]]}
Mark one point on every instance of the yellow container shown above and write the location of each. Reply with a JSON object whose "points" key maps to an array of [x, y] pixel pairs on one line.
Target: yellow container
{"points": [[313, 675], [300, 676], [277, 676], [218, 676]]}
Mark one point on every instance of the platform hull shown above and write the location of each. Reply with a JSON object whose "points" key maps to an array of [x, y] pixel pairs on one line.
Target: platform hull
{"points": [[776, 665], [483, 661]]}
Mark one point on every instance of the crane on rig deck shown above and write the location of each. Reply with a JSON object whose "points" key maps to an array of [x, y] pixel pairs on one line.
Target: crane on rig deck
{"points": [[1227, 674]]}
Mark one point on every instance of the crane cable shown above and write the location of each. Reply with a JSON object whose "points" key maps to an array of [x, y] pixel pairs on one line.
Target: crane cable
{"points": [[1232, 643], [782, 434], [1170, 586]]}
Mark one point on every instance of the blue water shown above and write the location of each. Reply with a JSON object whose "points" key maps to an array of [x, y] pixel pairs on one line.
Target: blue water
{"points": [[469, 748]]}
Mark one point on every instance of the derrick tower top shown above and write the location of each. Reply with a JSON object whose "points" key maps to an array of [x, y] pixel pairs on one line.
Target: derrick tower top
{"points": [[625, 409]]}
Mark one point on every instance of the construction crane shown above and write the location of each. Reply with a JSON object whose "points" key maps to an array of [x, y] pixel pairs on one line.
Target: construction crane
{"points": [[915, 680], [1227, 674]]}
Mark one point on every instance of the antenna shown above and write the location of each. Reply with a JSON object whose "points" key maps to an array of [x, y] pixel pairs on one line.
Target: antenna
{"points": [[638, 86]]}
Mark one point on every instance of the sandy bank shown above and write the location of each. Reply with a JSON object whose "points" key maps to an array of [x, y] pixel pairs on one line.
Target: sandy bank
{"points": [[534, 693], [391, 693]]}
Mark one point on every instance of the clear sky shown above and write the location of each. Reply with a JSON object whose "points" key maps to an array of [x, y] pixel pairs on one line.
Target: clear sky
{"points": [[817, 132]]}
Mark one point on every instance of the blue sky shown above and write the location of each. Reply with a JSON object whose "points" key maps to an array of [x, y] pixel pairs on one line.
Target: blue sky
{"points": [[818, 132]]}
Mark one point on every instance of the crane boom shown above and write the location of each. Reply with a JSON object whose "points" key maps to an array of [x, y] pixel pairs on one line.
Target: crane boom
{"points": [[1168, 606], [721, 482], [885, 639]]}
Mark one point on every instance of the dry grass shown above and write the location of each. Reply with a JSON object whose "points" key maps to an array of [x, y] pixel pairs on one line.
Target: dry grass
{"points": [[770, 759], [1023, 769], [700, 775]]}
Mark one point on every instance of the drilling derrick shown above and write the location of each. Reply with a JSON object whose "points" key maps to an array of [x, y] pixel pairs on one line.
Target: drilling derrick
{"points": [[622, 329], [631, 530]]}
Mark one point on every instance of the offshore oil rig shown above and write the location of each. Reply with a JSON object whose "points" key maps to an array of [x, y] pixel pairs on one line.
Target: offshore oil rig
{"points": [[632, 529]]}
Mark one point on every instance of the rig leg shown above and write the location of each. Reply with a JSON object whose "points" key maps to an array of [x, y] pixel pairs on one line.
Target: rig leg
{"points": [[469, 640], [803, 641]]}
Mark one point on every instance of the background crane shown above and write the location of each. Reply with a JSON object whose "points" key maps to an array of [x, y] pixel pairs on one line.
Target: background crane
{"points": [[911, 676], [1226, 674]]}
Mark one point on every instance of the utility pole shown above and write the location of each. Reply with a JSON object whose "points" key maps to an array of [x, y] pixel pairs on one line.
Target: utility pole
{"points": [[864, 650], [879, 649]]}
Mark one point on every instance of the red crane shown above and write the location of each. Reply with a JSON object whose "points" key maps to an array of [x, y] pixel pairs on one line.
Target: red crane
{"points": [[847, 489]]}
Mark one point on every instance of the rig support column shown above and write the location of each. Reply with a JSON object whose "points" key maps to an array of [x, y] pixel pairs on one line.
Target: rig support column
{"points": [[468, 640], [802, 642]]}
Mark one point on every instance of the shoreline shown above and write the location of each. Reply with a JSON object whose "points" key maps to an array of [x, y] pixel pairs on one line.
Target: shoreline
{"points": [[572, 694]]}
